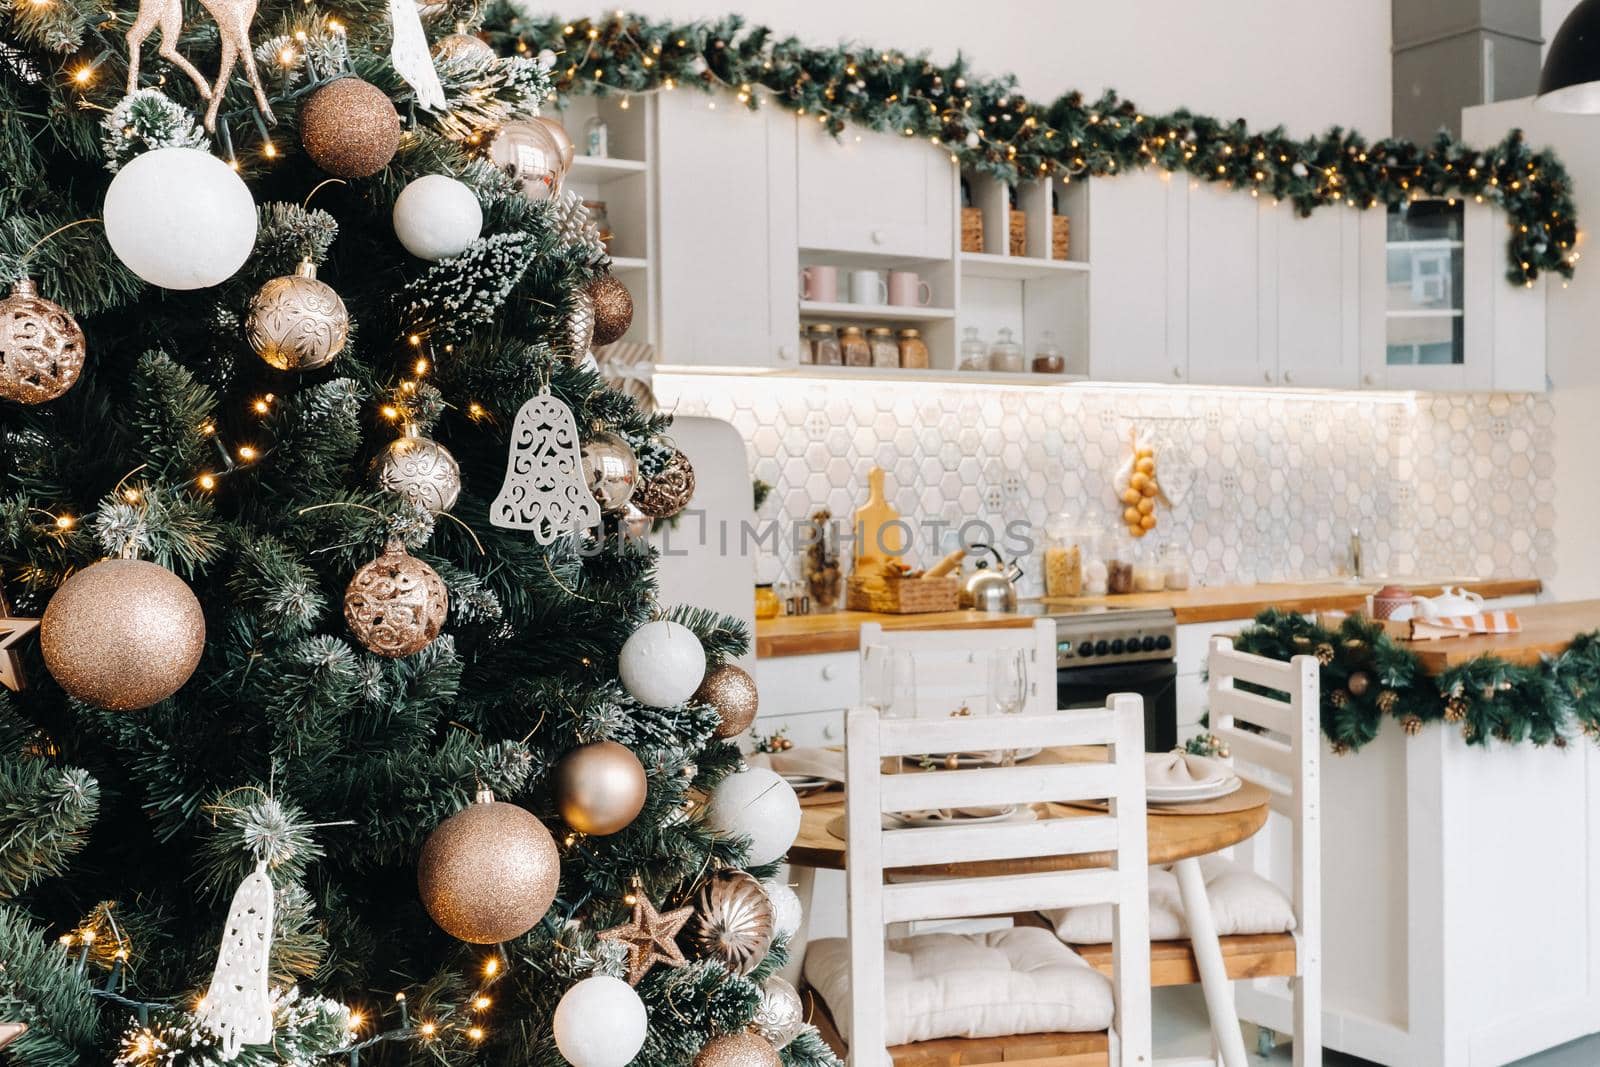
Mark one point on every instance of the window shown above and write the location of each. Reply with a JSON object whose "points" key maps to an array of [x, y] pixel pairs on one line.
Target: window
{"points": [[1425, 284]]}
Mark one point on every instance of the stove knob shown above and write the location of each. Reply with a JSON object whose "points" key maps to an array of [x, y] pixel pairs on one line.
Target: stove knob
{"points": [[1116, 647], [1086, 649], [1148, 644], [1099, 648], [1163, 642]]}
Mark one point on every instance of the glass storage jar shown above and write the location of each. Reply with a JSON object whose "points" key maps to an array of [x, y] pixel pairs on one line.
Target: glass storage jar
{"points": [[1005, 354], [824, 345], [913, 349], [853, 347], [1047, 358], [768, 606], [974, 353], [1063, 559], [885, 352]]}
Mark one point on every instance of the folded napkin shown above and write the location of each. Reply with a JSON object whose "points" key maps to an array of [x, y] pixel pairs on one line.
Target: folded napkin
{"points": [[1485, 622], [1165, 770], [816, 762]]}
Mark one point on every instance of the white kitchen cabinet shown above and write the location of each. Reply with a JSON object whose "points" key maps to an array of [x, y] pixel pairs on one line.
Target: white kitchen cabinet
{"points": [[1311, 298], [729, 263], [874, 194], [807, 695], [1225, 268], [1139, 284]]}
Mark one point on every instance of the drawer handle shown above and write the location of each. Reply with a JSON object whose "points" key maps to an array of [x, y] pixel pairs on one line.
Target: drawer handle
{"points": [[829, 672], [830, 731], [878, 237]]}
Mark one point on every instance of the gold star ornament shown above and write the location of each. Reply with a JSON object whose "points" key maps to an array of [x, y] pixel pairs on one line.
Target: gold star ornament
{"points": [[9, 1032], [12, 630], [650, 937]]}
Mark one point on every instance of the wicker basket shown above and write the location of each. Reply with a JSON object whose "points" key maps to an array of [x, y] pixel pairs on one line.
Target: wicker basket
{"points": [[1019, 233], [971, 229], [1060, 236], [902, 596]]}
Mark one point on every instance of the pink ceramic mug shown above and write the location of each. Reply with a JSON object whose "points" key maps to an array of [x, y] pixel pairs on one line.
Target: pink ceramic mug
{"points": [[908, 290], [820, 284]]}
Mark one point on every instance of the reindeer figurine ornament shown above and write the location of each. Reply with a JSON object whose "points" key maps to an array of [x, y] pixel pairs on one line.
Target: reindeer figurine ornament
{"points": [[233, 18]]}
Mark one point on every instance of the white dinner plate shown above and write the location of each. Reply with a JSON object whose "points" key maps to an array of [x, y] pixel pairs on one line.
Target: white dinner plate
{"points": [[983, 759], [919, 820], [1196, 793]]}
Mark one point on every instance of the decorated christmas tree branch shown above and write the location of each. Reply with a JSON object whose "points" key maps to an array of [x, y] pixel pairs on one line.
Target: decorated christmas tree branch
{"points": [[989, 127]]}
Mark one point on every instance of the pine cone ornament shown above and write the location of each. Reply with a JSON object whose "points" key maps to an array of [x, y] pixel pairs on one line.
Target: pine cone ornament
{"points": [[1412, 725], [1455, 709], [575, 225], [1388, 700], [1340, 748], [1324, 653], [1338, 698]]}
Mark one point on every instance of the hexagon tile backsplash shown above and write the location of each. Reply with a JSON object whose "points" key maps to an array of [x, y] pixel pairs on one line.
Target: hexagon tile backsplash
{"points": [[1268, 486]]}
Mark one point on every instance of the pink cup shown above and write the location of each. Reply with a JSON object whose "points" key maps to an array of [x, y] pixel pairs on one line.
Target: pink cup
{"points": [[908, 290], [820, 284]]}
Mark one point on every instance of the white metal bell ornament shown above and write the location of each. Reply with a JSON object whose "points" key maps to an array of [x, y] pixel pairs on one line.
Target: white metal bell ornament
{"points": [[544, 489], [238, 1006]]}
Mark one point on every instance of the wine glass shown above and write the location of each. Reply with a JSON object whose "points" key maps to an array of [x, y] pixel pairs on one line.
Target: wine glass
{"points": [[1008, 689], [889, 686]]}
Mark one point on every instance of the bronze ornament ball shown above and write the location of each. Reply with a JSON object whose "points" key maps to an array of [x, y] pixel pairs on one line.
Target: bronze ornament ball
{"points": [[464, 48], [742, 1049], [730, 689], [733, 921], [558, 134], [613, 309], [296, 322], [350, 128], [525, 152], [610, 470], [667, 492], [42, 347], [396, 605], [600, 788], [122, 634], [488, 873]]}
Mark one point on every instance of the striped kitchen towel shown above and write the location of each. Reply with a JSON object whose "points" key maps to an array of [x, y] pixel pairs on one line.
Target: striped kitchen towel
{"points": [[1484, 622]]}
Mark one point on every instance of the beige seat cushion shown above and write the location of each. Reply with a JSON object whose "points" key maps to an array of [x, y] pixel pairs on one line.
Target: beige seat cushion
{"points": [[1017, 981], [1242, 902]]}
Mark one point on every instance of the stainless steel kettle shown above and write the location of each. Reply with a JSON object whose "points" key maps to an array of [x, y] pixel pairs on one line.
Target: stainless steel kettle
{"points": [[991, 588]]}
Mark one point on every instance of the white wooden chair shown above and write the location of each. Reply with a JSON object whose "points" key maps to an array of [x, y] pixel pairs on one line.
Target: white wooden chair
{"points": [[1277, 740], [951, 663], [957, 879]]}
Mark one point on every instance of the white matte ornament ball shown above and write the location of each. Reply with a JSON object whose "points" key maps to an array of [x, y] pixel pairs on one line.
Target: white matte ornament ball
{"points": [[760, 805], [600, 1022], [437, 217], [787, 911], [180, 218], [662, 664]]}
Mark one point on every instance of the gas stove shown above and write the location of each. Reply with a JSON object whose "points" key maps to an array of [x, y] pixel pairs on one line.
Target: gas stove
{"points": [[1104, 636]]}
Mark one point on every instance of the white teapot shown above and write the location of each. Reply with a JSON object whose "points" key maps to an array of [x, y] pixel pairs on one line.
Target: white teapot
{"points": [[1451, 602]]}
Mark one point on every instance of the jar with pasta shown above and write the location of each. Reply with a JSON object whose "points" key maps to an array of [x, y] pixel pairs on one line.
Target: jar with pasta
{"points": [[1063, 559]]}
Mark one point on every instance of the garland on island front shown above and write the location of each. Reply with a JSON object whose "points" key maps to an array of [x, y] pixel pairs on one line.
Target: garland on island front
{"points": [[989, 127], [1368, 677]]}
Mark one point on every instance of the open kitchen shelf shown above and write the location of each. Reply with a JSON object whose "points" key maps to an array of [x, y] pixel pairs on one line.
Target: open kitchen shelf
{"points": [[847, 314]]}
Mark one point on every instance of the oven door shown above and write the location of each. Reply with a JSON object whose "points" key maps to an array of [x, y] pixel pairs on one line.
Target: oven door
{"points": [[1156, 682]]}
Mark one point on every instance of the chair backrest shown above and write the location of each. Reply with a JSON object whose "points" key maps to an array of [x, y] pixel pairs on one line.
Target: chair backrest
{"points": [[1117, 838], [951, 664], [1273, 733]]}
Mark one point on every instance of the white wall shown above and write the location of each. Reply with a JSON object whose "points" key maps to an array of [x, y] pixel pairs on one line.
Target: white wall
{"points": [[1301, 63], [1553, 13]]}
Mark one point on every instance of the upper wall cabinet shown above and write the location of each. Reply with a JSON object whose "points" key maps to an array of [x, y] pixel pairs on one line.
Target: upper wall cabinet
{"points": [[1139, 284], [1227, 342], [1311, 298], [874, 194], [729, 293]]}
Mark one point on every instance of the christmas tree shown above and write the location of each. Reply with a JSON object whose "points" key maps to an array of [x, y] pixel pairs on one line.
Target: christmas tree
{"points": [[350, 729]]}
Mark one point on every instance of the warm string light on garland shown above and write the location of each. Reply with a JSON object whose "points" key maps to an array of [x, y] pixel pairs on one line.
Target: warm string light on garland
{"points": [[1367, 678], [989, 127]]}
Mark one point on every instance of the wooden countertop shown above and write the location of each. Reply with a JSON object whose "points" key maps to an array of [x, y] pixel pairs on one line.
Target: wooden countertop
{"points": [[839, 631], [1219, 603], [1547, 629]]}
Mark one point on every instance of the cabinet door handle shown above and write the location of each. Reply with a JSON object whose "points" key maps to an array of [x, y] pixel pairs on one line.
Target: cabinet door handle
{"points": [[1367, 379], [830, 731], [1268, 376], [786, 353], [1288, 375], [878, 237], [829, 672], [1177, 372]]}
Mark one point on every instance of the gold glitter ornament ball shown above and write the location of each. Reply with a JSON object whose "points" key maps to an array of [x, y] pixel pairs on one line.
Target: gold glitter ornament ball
{"points": [[41, 346], [600, 788], [733, 921], [350, 128], [730, 689], [489, 872], [742, 1049], [669, 491], [613, 309], [122, 634], [396, 605], [296, 322]]}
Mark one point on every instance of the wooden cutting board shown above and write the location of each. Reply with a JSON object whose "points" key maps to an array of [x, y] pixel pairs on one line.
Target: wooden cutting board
{"points": [[879, 534]]}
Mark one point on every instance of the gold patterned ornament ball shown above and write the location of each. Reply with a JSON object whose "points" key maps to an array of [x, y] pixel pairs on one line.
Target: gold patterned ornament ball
{"points": [[464, 48], [350, 128], [396, 605], [122, 634], [421, 470], [488, 873], [667, 492], [41, 346], [297, 322], [525, 152], [600, 788], [613, 309], [742, 1049], [780, 1016], [733, 921], [730, 689]]}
